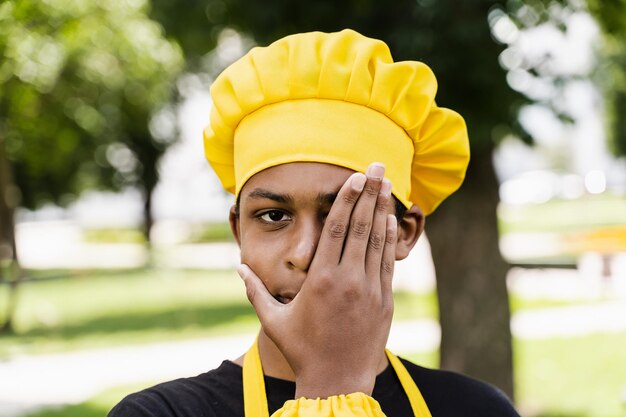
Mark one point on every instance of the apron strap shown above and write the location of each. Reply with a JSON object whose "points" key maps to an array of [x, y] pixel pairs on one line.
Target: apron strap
{"points": [[255, 398], [410, 388]]}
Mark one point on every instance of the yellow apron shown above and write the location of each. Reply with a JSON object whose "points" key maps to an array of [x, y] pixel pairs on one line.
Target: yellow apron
{"points": [[255, 399]]}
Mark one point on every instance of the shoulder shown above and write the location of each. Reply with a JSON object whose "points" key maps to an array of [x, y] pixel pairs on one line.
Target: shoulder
{"points": [[449, 393], [212, 394]]}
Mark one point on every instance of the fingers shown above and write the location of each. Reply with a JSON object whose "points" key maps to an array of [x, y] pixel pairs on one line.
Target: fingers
{"points": [[263, 302], [358, 235], [388, 259], [333, 235], [376, 242]]}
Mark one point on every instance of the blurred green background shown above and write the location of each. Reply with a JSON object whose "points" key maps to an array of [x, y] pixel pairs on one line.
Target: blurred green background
{"points": [[113, 239]]}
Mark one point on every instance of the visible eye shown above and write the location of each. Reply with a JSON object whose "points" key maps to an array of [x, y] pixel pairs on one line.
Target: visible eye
{"points": [[273, 216]]}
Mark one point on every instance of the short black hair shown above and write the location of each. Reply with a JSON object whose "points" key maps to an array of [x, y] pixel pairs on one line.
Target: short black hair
{"points": [[400, 209]]}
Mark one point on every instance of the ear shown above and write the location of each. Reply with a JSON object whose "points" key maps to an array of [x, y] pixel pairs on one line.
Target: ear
{"points": [[409, 230], [233, 219]]}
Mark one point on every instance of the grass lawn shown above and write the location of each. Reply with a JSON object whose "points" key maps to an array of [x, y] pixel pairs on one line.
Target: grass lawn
{"points": [[124, 308], [201, 233], [106, 309], [577, 377], [572, 377], [588, 212], [569, 228]]}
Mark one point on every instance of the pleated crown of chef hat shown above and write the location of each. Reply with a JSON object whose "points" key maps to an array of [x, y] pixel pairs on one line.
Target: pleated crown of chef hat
{"points": [[336, 98]]}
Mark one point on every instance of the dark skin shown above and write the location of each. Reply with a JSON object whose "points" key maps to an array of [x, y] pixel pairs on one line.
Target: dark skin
{"points": [[318, 244]]}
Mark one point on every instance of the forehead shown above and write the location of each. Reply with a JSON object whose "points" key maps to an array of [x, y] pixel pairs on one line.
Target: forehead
{"points": [[299, 180]]}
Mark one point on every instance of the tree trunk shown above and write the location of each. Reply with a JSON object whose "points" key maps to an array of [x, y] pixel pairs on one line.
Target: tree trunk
{"points": [[473, 301], [148, 156], [10, 271], [148, 219], [6, 212]]}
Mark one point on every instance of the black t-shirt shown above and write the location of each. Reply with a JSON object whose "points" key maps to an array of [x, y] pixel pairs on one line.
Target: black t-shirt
{"points": [[219, 393]]}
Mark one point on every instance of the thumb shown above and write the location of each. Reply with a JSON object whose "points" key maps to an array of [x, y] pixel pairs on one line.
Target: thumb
{"points": [[263, 302]]}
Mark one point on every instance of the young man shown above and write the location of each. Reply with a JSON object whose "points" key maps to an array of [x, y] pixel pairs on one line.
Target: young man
{"points": [[295, 128]]}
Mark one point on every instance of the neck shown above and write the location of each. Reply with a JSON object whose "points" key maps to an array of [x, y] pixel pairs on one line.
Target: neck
{"points": [[275, 365], [273, 362]]}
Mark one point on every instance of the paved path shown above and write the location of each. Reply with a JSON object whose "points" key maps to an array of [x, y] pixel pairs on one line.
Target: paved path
{"points": [[31, 382]]}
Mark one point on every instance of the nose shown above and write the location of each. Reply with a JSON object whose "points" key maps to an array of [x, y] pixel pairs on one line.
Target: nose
{"points": [[306, 236]]}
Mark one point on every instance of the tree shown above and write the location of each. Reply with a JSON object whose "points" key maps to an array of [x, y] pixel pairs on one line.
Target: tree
{"points": [[609, 74], [454, 38], [79, 83], [611, 15]]}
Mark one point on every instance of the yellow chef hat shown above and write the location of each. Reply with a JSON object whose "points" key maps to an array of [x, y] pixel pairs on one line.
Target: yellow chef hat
{"points": [[336, 98]]}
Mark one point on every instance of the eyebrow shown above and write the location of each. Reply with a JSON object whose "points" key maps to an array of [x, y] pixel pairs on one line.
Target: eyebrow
{"points": [[260, 193], [326, 198]]}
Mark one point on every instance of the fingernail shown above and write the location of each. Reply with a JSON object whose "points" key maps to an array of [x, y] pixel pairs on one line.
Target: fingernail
{"points": [[385, 188], [358, 181], [376, 170]]}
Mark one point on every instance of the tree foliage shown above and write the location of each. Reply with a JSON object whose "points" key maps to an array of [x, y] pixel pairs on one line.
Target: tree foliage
{"points": [[609, 74], [79, 82], [611, 15]]}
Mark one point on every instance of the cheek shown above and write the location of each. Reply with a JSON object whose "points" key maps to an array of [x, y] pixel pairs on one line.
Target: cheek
{"points": [[262, 254]]}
